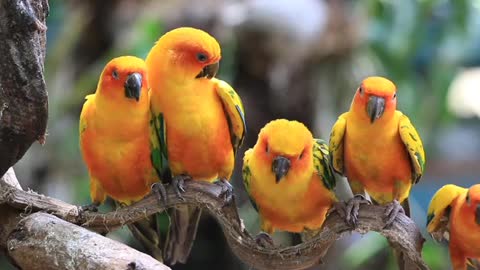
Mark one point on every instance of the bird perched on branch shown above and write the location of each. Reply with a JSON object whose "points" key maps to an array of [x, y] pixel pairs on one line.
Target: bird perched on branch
{"points": [[378, 149], [199, 121], [115, 142], [288, 177], [454, 215]]}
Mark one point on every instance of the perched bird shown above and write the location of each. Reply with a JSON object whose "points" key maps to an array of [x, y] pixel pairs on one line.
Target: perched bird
{"points": [[115, 141], [288, 177], [378, 150], [199, 121], [454, 215]]}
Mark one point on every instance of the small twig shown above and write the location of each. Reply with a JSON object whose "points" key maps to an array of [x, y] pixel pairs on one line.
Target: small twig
{"points": [[403, 234]]}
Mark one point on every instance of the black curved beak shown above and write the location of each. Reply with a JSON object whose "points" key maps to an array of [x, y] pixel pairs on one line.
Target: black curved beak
{"points": [[209, 71], [133, 86], [375, 107], [477, 214], [280, 167]]}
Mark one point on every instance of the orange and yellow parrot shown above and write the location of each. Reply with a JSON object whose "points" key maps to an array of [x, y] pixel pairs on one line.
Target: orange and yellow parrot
{"points": [[199, 121], [288, 177], [377, 149], [454, 215], [115, 141]]}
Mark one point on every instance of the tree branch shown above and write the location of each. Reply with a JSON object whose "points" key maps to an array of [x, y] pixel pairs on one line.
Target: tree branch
{"points": [[23, 97], [403, 234], [42, 241]]}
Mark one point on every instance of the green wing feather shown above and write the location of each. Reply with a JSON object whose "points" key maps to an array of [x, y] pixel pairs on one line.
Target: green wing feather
{"points": [[247, 176], [414, 146], [336, 144], [158, 140], [234, 111], [321, 163]]}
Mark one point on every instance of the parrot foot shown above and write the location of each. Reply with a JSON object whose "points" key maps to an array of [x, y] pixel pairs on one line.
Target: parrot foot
{"points": [[340, 208], [178, 183], [352, 207], [160, 192], [391, 212], [93, 207], [264, 240], [227, 190]]}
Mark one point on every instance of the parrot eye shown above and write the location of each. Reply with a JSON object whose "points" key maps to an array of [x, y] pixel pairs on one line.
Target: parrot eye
{"points": [[360, 90], [266, 148], [467, 198], [201, 57], [115, 74], [301, 154], [395, 96]]}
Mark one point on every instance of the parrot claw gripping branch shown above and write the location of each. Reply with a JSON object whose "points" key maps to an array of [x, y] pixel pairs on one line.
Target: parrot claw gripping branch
{"points": [[23, 211]]}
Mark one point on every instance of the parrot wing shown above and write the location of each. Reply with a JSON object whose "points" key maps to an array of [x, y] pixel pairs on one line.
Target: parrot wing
{"points": [[336, 144], [439, 211], [247, 175], [234, 111], [158, 141], [87, 110], [321, 163], [414, 146]]}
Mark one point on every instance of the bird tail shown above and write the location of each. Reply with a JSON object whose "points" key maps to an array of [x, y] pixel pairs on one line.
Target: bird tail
{"points": [[183, 229], [148, 233], [402, 262]]}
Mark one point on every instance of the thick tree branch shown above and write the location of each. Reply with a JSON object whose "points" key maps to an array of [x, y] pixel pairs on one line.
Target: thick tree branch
{"points": [[404, 234], [42, 241], [23, 97]]}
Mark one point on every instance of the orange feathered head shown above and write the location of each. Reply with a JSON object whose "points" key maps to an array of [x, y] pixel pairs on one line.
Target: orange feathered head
{"points": [[185, 52], [124, 77], [472, 201], [376, 97], [287, 146]]}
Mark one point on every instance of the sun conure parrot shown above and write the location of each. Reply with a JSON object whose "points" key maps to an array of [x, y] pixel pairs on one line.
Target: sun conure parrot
{"points": [[288, 177], [454, 215], [378, 149], [199, 121], [115, 141]]}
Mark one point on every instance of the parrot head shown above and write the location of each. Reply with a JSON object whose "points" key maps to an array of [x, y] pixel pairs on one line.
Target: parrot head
{"points": [[472, 200], [375, 98], [123, 78], [286, 146], [185, 53]]}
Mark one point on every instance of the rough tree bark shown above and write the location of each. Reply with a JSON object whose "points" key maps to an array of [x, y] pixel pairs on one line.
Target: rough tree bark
{"points": [[42, 241], [23, 97]]}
